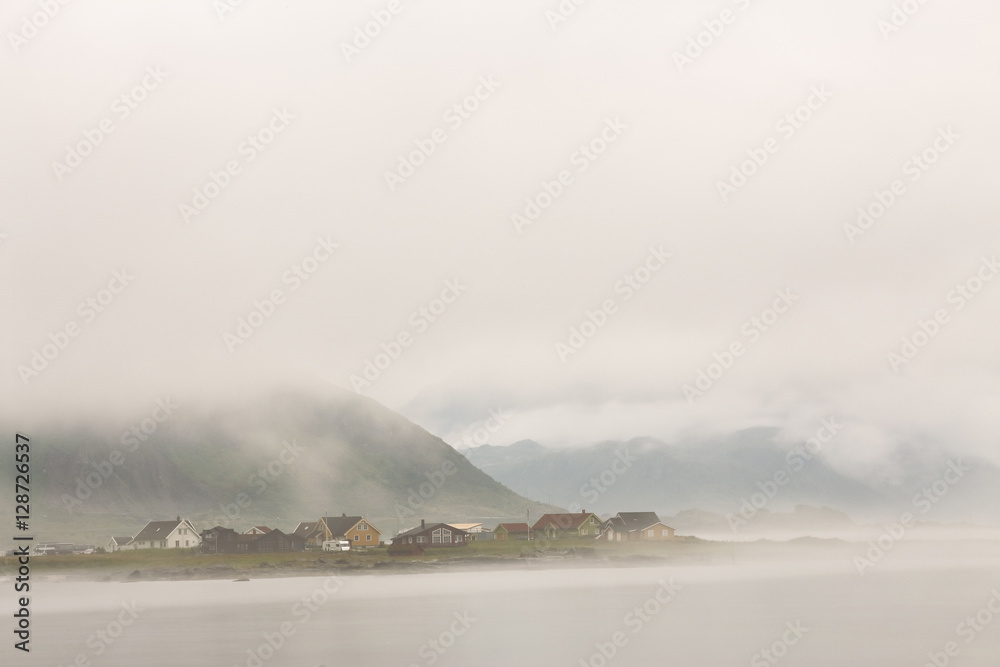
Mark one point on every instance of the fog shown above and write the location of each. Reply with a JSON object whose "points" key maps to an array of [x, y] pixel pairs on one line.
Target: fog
{"points": [[802, 608], [338, 121]]}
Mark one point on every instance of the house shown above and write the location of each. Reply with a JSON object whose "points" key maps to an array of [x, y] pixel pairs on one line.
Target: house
{"points": [[355, 529], [511, 531], [306, 530], [468, 527], [258, 530], [118, 543], [630, 526], [221, 540], [554, 526], [425, 536], [176, 534], [277, 541]]}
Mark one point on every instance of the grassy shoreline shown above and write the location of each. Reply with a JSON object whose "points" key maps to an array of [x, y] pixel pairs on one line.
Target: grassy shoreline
{"points": [[172, 564]]}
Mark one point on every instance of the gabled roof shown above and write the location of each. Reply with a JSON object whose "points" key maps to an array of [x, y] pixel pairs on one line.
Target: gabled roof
{"points": [[564, 521], [339, 525], [464, 526], [514, 527], [627, 522], [121, 541], [158, 530], [305, 528], [420, 530], [260, 529]]}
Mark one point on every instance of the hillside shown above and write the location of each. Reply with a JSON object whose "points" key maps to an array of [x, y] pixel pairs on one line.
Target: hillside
{"points": [[278, 459]]}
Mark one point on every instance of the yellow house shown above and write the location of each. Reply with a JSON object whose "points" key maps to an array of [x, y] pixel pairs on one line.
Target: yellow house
{"points": [[355, 529]]}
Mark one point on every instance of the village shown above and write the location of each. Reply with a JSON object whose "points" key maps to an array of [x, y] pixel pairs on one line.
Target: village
{"points": [[344, 533]]}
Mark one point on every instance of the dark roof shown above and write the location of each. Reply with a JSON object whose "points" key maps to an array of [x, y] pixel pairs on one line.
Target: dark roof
{"points": [[122, 540], [420, 530], [564, 521], [157, 530], [514, 527], [339, 525], [627, 522], [305, 528]]}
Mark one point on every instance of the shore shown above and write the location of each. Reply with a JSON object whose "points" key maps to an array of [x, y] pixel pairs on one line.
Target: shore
{"points": [[187, 564]]}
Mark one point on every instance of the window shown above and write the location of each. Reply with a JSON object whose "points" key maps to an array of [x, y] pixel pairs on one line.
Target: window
{"points": [[441, 536], [666, 534], [363, 526], [186, 542], [368, 537], [585, 531], [177, 543], [650, 533], [421, 539], [409, 540], [357, 537]]}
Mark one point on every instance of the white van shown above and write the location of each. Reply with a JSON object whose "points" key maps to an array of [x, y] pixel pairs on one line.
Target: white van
{"points": [[336, 545]]}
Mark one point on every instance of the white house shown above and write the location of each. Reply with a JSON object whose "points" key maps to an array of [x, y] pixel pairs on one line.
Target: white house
{"points": [[118, 543], [177, 534]]}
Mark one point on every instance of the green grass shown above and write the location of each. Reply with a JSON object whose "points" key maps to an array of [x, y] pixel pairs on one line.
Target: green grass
{"points": [[188, 562]]}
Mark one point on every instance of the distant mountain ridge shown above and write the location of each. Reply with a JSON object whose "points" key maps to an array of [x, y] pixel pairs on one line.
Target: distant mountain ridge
{"points": [[719, 474]]}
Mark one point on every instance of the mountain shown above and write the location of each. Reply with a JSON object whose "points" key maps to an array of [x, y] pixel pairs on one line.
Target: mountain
{"points": [[276, 459], [721, 474]]}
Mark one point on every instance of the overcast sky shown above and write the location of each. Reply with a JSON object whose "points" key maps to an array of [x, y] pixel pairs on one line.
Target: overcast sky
{"points": [[333, 113]]}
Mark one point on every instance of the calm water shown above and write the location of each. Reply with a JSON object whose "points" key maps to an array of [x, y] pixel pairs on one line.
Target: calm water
{"points": [[713, 616]]}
